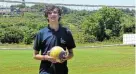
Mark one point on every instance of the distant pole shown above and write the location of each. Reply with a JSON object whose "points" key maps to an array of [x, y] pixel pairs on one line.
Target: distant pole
{"points": [[23, 2]]}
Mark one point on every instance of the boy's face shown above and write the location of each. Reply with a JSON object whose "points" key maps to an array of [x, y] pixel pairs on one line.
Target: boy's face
{"points": [[53, 15]]}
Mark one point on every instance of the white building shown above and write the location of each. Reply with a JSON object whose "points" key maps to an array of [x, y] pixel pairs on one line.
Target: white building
{"points": [[5, 11]]}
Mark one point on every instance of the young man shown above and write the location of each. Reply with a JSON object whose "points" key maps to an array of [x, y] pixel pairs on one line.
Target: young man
{"points": [[53, 35]]}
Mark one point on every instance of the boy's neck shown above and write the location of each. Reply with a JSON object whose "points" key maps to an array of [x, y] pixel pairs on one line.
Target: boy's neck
{"points": [[54, 25]]}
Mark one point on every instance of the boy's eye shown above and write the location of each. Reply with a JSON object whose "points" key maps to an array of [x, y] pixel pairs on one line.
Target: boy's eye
{"points": [[54, 12], [49, 12]]}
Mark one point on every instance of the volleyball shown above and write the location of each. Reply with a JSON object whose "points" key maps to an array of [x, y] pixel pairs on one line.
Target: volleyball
{"points": [[58, 53]]}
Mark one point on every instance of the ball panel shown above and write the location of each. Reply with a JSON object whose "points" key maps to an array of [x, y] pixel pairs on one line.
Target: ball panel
{"points": [[58, 53]]}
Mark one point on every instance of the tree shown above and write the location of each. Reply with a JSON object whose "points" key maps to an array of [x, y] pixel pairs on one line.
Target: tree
{"points": [[102, 22], [128, 24]]}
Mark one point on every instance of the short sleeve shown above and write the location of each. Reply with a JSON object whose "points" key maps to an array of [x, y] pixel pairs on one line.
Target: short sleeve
{"points": [[70, 41], [37, 42]]}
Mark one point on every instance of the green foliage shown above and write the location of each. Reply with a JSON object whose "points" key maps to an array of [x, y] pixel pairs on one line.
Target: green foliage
{"points": [[90, 39], [128, 23], [86, 26], [11, 35], [108, 33], [106, 23], [38, 7], [18, 6], [19, 29]]}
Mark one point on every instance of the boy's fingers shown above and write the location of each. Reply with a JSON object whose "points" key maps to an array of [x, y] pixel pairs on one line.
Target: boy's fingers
{"points": [[48, 52]]}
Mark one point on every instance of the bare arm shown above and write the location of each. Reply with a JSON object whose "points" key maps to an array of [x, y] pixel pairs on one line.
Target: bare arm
{"points": [[37, 56], [70, 55]]}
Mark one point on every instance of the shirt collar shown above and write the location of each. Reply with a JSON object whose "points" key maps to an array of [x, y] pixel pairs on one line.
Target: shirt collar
{"points": [[50, 29]]}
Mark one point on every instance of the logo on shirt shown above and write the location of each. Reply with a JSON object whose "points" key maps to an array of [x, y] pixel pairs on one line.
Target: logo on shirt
{"points": [[62, 41]]}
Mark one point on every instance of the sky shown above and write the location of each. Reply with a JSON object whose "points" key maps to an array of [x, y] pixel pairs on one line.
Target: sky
{"points": [[91, 2], [84, 2], [88, 2]]}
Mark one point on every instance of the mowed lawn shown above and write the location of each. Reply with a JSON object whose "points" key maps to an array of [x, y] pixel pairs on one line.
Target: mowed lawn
{"points": [[103, 60]]}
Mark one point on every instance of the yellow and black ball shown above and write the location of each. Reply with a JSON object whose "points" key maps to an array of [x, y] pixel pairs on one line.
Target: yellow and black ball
{"points": [[58, 53]]}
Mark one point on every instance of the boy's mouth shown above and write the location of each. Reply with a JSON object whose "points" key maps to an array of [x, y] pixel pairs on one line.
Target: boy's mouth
{"points": [[53, 17]]}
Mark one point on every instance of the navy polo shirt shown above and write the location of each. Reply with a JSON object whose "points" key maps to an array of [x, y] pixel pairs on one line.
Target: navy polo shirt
{"points": [[47, 38]]}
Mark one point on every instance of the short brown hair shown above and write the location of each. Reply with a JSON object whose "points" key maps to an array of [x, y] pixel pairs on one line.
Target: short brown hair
{"points": [[51, 8]]}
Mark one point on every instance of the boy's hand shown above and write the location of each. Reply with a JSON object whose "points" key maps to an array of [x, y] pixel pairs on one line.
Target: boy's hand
{"points": [[51, 59], [63, 58]]}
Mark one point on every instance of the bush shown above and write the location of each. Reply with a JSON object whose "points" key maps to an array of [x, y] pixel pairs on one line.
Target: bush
{"points": [[29, 35], [11, 35], [90, 38], [116, 39]]}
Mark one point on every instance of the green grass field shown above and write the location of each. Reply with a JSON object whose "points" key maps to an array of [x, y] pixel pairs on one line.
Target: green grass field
{"points": [[104, 60]]}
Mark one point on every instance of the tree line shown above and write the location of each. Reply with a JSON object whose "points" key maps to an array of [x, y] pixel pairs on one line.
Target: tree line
{"points": [[87, 26]]}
